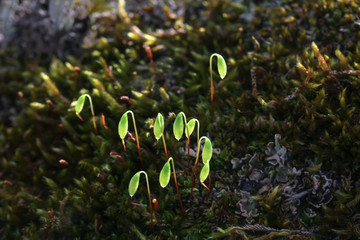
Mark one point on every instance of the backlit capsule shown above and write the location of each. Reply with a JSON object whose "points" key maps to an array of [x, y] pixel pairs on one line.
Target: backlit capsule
{"points": [[126, 98], [148, 52], [63, 162], [156, 204], [103, 122], [100, 176], [8, 183], [51, 216]]}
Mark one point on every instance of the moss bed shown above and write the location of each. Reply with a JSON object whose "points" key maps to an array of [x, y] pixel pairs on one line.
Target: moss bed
{"points": [[285, 130]]}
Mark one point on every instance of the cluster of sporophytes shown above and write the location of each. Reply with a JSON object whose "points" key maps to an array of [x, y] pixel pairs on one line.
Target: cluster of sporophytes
{"points": [[165, 173], [180, 124], [158, 129]]}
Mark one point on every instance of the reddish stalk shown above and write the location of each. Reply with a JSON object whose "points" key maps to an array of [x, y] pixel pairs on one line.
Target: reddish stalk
{"points": [[192, 180], [166, 153], [103, 122], [93, 115], [195, 166], [207, 194], [78, 115], [150, 204], [131, 136], [123, 143], [177, 189], [137, 138], [150, 56], [188, 148], [205, 186], [96, 131], [208, 188], [211, 91], [138, 147], [156, 207]]}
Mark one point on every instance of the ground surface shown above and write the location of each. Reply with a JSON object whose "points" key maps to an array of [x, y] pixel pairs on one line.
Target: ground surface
{"points": [[284, 131]]}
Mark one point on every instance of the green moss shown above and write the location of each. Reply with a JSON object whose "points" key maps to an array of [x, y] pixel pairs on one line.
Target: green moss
{"points": [[292, 70]]}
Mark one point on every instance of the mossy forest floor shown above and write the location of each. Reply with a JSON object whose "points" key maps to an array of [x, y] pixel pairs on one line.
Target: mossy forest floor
{"points": [[285, 130]]}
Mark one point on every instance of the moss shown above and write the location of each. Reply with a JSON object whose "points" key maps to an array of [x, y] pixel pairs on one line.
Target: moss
{"points": [[292, 72]]}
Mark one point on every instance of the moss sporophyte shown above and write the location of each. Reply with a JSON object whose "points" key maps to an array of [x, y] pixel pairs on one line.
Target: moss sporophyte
{"points": [[222, 70], [164, 179], [123, 130], [189, 128], [133, 186], [178, 130], [206, 156], [80, 105], [159, 131]]}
